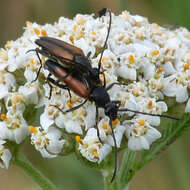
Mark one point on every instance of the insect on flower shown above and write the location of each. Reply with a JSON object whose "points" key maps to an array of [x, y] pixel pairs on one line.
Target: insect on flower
{"points": [[68, 64], [70, 57]]}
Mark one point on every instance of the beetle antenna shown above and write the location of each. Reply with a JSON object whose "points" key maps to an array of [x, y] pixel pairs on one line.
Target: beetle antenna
{"points": [[101, 13], [115, 152], [166, 116]]}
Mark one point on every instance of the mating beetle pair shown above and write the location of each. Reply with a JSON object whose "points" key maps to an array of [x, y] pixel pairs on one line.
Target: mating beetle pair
{"points": [[69, 64]]}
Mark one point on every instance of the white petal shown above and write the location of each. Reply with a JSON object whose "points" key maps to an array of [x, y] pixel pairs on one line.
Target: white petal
{"points": [[6, 157], [30, 94], [152, 135], [45, 121], [148, 70], [182, 94], [46, 154], [103, 152], [138, 143], [20, 134], [4, 91], [4, 132], [30, 75], [73, 127], [187, 108], [168, 68], [163, 106], [126, 73], [119, 131], [153, 120], [59, 121], [170, 86]]}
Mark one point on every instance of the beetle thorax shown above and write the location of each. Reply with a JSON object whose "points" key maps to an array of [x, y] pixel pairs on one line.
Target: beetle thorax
{"points": [[100, 96], [94, 76], [83, 63]]}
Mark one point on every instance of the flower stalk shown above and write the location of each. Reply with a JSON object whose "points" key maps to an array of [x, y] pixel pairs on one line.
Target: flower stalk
{"points": [[22, 162]]}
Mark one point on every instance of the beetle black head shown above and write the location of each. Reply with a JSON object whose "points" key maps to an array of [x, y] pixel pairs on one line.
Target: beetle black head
{"points": [[111, 110]]}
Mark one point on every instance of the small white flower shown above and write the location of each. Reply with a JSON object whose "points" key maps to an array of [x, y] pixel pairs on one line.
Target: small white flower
{"points": [[106, 133], [91, 148], [7, 83], [49, 142], [30, 92], [15, 102], [14, 127], [140, 134]]}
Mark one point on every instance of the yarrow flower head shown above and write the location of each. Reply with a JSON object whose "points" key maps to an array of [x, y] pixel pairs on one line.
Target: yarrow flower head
{"points": [[152, 63]]}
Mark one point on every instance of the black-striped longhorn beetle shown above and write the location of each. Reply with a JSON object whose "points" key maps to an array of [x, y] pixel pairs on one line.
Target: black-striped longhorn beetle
{"points": [[81, 81], [69, 56], [97, 94]]}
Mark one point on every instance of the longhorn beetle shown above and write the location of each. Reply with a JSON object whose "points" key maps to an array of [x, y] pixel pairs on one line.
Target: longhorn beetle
{"points": [[69, 56], [81, 82], [98, 95]]}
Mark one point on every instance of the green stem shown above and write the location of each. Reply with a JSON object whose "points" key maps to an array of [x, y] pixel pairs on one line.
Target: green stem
{"points": [[22, 162], [127, 169], [111, 186], [124, 175]]}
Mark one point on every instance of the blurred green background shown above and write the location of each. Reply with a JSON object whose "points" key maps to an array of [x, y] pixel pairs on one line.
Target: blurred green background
{"points": [[171, 171]]}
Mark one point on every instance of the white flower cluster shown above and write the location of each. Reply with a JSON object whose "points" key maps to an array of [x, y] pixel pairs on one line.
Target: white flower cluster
{"points": [[155, 61]]}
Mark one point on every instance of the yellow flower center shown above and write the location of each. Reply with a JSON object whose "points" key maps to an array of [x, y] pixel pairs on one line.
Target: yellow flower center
{"points": [[71, 38], [32, 129], [37, 31], [9, 43], [156, 26], [3, 116], [43, 32], [95, 153], [160, 70], [186, 66], [131, 59], [155, 52], [32, 61], [69, 104], [105, 126], [78, 139], [141, 122], [115, 122], [150, 104], [75, 28]]}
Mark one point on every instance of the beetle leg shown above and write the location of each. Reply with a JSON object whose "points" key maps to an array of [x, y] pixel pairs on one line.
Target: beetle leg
{"points": [[88, 55], [50, 80], [72, 109], [37, 53], [51, 87], [98, 132], [112, 84]]}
